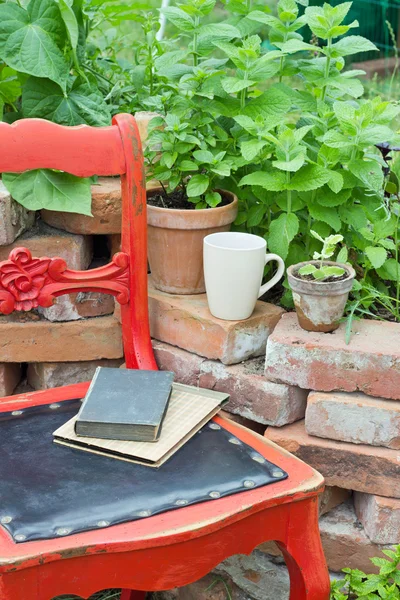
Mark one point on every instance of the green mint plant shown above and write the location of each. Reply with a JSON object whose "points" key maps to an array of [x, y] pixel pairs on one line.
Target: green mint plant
{"points": [[184, 155], [359, 585], [322, 272]]}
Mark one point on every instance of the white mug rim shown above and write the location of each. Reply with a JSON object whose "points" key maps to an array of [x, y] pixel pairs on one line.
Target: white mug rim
{"points": [[262, 244]]}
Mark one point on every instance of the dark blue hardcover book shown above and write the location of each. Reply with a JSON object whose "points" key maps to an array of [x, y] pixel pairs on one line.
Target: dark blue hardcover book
{"points": [[125, 404]]}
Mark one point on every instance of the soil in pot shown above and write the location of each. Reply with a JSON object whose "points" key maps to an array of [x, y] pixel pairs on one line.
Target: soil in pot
{"points": [[178, 200], [175, 240], [320, 304]]}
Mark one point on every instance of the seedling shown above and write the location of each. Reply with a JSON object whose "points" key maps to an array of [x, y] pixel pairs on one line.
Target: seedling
{"points": [[323, 272]]}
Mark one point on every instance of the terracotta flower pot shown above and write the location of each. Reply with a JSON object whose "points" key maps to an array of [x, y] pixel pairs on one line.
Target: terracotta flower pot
{"points": [[175, 243], [320, 304]]}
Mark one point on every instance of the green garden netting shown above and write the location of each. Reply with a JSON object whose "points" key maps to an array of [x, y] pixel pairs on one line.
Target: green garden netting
{"points": [[372, 16]]}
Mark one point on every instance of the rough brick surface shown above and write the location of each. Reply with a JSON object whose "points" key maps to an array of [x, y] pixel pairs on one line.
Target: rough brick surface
{"points": [[331, 497], [185, 365], [351, 466], [344, 540], [186, 322], [251, 395], [42, 376], [10, 376], [76, 250], [370, 363], [27, 338], [14, 218], [380, 517], [43, 240], [82, 305], [354, 417]]}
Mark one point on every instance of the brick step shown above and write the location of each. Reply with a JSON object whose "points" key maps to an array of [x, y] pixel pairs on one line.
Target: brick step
{"points": [[380, 517], [186, 322], [14, 218], [370, 363], [45, 375], [359, 467], [354, 417], [29, 338], [251, 395], [10, 376]]}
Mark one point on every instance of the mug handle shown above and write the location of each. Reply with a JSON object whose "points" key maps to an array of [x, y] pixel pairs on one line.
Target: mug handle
{"points": [[278, 275]]}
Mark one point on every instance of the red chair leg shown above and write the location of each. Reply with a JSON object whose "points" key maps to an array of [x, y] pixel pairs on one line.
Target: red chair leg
{"points": [[304, 555], [133, 595]]}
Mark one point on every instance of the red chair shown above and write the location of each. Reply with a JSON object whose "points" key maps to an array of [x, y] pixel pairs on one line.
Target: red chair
{"points": [[171, 548]]}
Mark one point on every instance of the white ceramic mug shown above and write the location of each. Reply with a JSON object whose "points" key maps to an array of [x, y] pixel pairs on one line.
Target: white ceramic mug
{"points": [[233, 270]]}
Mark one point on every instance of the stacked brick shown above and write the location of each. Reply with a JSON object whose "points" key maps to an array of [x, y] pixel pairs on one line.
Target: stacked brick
{"points": [[314, 394]]}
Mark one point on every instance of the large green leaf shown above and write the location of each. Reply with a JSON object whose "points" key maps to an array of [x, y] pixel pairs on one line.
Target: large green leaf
{"points": [[310, 177], [82, 104], [70, 22], [376, 256], [390, 270], [272, 105], [10, 86], [281, 232], [352, 44], [197, 185], [369, 172], [273, 181], [53, 190], [30, 39], [326, 214]]}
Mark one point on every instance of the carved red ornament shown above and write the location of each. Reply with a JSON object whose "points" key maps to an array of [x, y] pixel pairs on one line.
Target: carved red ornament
{"points": [[27, 282]]}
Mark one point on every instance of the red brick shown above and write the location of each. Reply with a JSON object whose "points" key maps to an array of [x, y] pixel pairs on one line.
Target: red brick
{"points": [[45, 375], [27, 338], [14, 218], [82, 305], [10, 376], [185, 365], [370, 363], [43, 240], [354, 417], [380, 517], [252, 396], [186, 322], [331, 497], [358, 467], [345, 542]]}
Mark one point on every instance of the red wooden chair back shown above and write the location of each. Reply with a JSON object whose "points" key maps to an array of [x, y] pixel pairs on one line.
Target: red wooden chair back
{"points": [[27, 282]]}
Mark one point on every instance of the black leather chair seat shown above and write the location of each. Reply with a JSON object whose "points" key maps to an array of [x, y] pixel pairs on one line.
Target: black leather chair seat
{"points": [[48, 490]]}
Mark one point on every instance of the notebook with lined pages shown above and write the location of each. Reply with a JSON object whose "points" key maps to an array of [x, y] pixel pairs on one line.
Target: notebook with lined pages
{"points": [[189, 409]]}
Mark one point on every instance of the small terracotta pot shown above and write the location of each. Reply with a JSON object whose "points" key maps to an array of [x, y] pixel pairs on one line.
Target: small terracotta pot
{"points": [[320, 304], [175, 243]]}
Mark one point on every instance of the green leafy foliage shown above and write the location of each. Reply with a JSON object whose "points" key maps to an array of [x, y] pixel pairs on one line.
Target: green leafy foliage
{"points": [[359, 585], [322, 271], [41, 75]]}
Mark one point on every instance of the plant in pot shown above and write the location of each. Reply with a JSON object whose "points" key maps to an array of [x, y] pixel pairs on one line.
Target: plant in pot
{"points": [[321, 287], [186, 153]]}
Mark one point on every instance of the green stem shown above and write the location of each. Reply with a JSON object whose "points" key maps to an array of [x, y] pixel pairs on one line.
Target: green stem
{"points": [[327, 68], [195, 41], [282, 59], [289, 194]]}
